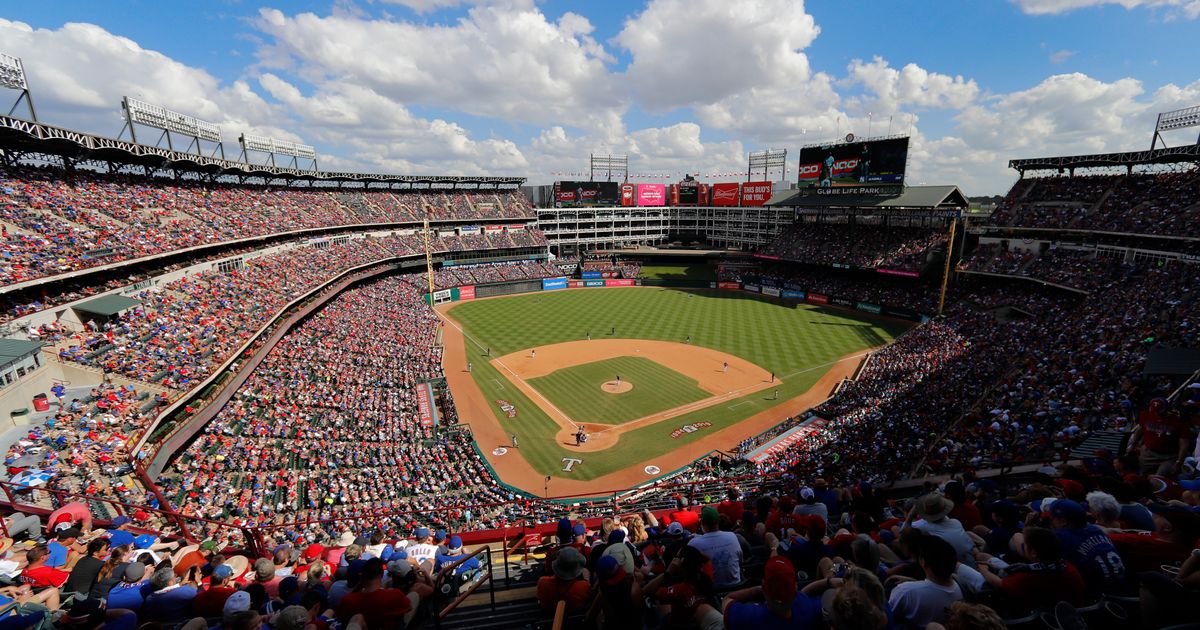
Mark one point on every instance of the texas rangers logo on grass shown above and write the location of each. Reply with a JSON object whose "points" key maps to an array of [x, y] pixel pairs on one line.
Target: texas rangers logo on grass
{"points": [[690, 428], [508, 408]]}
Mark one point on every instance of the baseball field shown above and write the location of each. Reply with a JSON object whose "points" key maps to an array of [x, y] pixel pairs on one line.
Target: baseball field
{"points": [[655, 377]]}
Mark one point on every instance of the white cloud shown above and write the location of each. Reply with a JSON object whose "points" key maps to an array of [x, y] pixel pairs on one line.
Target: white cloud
{"points": [[911, 85], [1060, 56], [505, 61], [1188, 8]]}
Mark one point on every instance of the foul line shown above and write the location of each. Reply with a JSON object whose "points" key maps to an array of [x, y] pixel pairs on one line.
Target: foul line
{"points": [[516, 379]]}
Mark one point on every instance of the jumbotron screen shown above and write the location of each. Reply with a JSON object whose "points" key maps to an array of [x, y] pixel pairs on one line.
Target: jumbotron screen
{"points": [[871, 167], [571, 194]]}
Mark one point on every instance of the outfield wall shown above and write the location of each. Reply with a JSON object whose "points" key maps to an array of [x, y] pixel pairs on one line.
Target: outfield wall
{"points": [[766, 287]]}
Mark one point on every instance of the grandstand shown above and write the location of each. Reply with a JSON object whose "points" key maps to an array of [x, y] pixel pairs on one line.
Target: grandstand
{"points": [[243, 368]]}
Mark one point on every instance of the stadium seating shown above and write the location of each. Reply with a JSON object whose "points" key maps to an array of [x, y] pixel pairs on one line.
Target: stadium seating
{"points": [[50, 225], [857, 245]]}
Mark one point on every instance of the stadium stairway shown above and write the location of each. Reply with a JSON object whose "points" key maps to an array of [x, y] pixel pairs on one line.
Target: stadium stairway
{"points": [[516, 605], [1114, 441]]}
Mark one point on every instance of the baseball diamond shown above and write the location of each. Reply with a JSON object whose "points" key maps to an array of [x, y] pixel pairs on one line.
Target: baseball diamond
{"points": [[674, 383]]}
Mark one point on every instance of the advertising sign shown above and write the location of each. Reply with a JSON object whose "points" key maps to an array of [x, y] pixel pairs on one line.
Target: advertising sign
{"points": [[593, 283], [424, 395], [726, 194], [817, 298], [793, 295], [590, 275], [862, 168], [689, 195], [868, 308], [771, 291], [897, 272], [651, 194], [550, 284], [619, 282], [628, 195], [444, 294], [729, 285], [574, 194], [837, 301], [752, 287], [575, 284], [466, 293], [786, 440], [756, 193]]}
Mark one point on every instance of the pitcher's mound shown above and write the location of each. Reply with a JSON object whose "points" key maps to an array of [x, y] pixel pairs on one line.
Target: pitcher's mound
{"points": [[613, 387]]}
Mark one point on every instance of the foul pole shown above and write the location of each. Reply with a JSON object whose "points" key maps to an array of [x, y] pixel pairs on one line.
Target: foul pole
{"points": [[946, 270], [428, 261]]}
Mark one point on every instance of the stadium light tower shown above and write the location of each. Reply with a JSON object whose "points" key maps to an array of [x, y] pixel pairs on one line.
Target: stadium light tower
{"points": [[766, 161], [609, 164], [138, 112], [272, 148], [12, 76], [1178, 119]]}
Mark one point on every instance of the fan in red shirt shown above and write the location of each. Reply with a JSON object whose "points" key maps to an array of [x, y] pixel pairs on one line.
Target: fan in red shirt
{"points": [[37, 574], [1163, 438], [1177, 529], [381, 607], [688, 519], [732, 507], [1046, 580], [782, 519]]}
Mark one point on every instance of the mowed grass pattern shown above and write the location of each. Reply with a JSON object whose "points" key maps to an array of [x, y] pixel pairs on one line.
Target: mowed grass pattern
{"points": [[577, 391], [795, 340]]}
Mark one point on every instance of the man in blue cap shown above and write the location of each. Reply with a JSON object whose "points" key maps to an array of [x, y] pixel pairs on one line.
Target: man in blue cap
{"points": [[423, 551], [1088, 548], [118, 533], [454, 553]]}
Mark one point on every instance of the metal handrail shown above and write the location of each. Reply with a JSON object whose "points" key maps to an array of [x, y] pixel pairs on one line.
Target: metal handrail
{"points": [[448, 570]]}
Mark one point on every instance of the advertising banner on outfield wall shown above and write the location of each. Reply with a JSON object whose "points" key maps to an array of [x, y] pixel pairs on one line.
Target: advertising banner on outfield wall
{"points": [[729, 285], [771, 291], [466, 293], [752, 287], [575, 284], [726, 194], [756, 193], [618, 282], [868, 308], [593, 283], [837, 301], [550, 284], [897, 272], [591, 275], [651, 194], [817, 298], [793, 295]]}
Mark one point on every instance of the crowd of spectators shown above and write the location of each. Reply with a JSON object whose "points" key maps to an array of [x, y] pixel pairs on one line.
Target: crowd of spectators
{"points": [[328, 425], [52, 224], [1084, 269], [902, 293], [867, 246], [468, 275], [1162, 204]]}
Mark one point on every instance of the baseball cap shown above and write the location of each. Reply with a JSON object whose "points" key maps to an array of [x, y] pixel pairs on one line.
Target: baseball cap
{"points": [[675, 529], [564, 526], [455, 544], [439, 536], [223, 571], [807, 494], [710, 516], [121, 520], [1066, 508], [238, 602], [779, 580], [313, 551], [144, 541], [616, 536], [421, 533], [70, 532], [609, 569], [1042, 505], [399, 568], [208, 545], [292, 618], [578, 529], [134, 572]]}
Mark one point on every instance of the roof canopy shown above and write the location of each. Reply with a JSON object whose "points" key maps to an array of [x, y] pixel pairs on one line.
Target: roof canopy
{"points": [[108, 305], [914, 197], [1129, 159], [12, 350]]}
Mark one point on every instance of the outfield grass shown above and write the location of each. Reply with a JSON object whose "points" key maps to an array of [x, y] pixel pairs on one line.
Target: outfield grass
{"points": [[576, 390], [796, 341], [702, 272]]}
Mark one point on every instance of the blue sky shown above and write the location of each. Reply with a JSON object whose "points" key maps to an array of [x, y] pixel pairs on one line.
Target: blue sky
{"points": [[681, 85]]}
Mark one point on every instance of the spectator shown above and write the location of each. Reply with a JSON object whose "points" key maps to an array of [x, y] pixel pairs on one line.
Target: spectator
{"points": [[934, 510], [168, 601], [918, 604], [1044, 579], [782, 607], [568, 583], [86, 572], [381, 607], [721, 548]]}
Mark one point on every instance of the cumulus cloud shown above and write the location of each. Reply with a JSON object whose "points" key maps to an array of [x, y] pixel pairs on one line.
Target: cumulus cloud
{"points": [[911, 85], [1188, 8], [506, 61]]}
